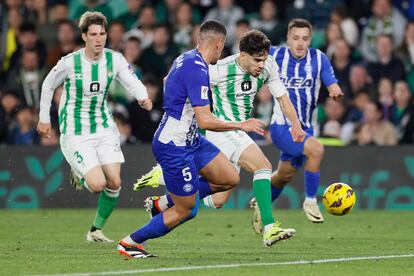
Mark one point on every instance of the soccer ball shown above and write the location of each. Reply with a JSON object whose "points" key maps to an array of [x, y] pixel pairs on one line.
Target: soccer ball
{"points": [[339, 199]]}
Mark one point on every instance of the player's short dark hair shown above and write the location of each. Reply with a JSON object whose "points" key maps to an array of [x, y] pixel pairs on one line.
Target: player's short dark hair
{"points": [[299, 23], [92, 18], [254, 43], [213, 26]]}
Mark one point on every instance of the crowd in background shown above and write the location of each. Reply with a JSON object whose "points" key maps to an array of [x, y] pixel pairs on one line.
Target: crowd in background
{"points": [[370, 45]]}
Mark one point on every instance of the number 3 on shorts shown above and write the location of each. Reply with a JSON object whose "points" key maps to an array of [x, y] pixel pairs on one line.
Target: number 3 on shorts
{"points": [[187, 174]]}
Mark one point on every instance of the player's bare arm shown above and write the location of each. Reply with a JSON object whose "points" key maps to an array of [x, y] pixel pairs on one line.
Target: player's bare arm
{"points": [[297, 132], [207, 121], [335, 92]]}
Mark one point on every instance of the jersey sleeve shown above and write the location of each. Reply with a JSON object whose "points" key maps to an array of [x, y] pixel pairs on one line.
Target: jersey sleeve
{"points": [[197, 84], [214, 74], [55, 78], [275, 84], [327, 72], [130, 81]]}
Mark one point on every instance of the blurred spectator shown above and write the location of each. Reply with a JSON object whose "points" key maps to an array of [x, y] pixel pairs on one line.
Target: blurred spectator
{"points": [[24, 133], [48, 32], [115, 36], [355, 113], [385, 20], [333, 33], [406, 6], [28, 39], [267, 21], [27, 78], [242, 26], [228, 13], [10, 26], [387, 65], [157, 59], [194, 37], [124, 128], [65, 45], [183, 27], [358, 80], [145, 28], [166, 12], [385, 96], [129, 19], [8, 104], [362, 136], [336, 112], [406, 49], [402, 113], [94, 5], [144, 123], [381, 131], [342, 63], [348, 26], [331, 134]]}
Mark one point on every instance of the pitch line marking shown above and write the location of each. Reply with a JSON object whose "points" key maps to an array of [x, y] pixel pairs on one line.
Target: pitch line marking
{"points": [[184, 268]]}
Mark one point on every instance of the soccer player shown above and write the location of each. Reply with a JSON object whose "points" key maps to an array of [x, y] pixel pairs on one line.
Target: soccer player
{"points": [[235, 81], [179, 148], [89, 137], [302, 70]]}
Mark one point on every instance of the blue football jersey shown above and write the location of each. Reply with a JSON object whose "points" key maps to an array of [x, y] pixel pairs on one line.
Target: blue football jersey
{"points": [[302, 78], [186, 86]]}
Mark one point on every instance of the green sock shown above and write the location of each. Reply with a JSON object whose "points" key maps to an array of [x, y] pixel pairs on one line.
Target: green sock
{"points": [[263, 193], [106, 204]]}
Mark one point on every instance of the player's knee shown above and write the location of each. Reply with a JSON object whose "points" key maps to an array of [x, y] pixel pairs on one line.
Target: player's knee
{"points": [[114, 183], [97, 185], [317, 151], [234, 180], [193, 212], [286, 177]]}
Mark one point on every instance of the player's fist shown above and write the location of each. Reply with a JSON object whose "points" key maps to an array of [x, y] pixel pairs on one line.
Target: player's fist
{"points": [[336, 93], [146, 104], [253, 125], [44, 129], [298, 134]]}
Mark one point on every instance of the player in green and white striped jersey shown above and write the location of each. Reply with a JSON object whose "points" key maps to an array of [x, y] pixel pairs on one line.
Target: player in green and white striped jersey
{"points": [[234, 82], [89, 137]]}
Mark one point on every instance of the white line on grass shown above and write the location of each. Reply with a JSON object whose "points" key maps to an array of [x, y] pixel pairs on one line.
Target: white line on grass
{"points": [[182, 268]]}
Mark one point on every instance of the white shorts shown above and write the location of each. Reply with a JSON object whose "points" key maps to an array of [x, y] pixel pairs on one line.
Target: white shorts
{"points": [[85, 152], [231, 143]]}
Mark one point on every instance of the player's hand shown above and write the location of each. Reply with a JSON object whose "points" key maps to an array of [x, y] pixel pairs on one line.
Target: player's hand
{"points": [[336, 94], [145, 104], [253, 125], [44, 129], [297, 132]]}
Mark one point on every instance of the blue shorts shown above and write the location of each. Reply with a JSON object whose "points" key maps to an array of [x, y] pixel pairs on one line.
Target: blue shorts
{"points": [[181, 164], [289, 150]]}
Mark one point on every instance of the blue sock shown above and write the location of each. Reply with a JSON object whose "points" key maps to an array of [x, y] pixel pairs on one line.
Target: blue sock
{"points": [[276, 192], [311, 183], [153, 229], [203, 188], [170, 201]]}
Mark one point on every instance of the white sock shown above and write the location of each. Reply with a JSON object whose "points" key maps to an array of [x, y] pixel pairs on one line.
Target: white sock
{"points": [[208, 201], [310, 199], [112, 193], [267, 227], [129, 241]]}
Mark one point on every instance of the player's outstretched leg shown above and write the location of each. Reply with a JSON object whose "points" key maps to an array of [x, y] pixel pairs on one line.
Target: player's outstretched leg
{"points": [[314, 152]]}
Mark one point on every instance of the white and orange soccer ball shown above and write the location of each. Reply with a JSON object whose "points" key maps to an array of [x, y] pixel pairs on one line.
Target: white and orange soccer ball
{"points": [[339, 199]]}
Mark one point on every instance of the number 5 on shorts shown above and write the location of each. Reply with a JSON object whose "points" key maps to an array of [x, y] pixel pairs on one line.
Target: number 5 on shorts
{"points": [[187, 174]]}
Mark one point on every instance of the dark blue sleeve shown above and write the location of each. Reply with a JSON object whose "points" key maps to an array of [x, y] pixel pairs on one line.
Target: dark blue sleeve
{"points": [[196, 81], [327, 72]]}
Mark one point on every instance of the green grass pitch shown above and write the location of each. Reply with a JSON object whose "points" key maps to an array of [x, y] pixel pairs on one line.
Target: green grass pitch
{"points": [[43, 242]]}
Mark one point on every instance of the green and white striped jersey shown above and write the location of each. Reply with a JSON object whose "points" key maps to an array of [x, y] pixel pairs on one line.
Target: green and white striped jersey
{"points": [[83, 106], [234, 89]]}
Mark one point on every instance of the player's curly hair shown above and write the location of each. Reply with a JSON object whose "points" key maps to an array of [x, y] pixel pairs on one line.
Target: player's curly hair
{"points": [[254, 43], [92, 18]]}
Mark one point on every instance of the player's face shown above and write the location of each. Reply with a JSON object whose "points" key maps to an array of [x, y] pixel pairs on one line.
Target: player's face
{"points": [[253, 64], [95, 39], [218, 49], [298, 41]]}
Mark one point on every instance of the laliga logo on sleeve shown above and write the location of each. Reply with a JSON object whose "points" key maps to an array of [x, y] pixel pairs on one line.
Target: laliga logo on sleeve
{"points": [[204, 92], [187, 188]]}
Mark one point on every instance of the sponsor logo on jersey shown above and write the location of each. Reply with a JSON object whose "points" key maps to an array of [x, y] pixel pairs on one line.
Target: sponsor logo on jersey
{"points": [[297, 82], [246, 85], [94, 87], [204, 92]]}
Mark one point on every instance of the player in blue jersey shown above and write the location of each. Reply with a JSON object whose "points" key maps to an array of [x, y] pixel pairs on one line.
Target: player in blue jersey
{"points": [[302, 70], [178, 147]]}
